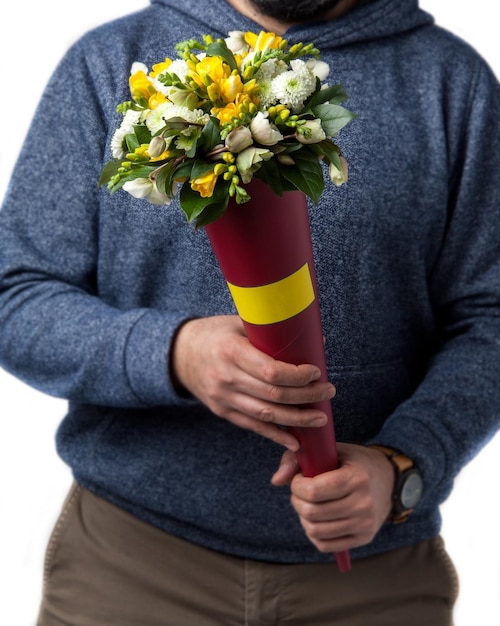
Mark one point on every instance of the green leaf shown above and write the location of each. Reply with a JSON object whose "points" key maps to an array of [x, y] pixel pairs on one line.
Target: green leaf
{"points": [[333, 117], [176, 123], [329, 150], [132, 142], [200, 168], [212, 212], [191, 202], [163, 178], [220, 49], [194, 205], [210, 135], [183, 170], [306, 174], [269, 173], [142, 134], [335, 94], [108, 171]]}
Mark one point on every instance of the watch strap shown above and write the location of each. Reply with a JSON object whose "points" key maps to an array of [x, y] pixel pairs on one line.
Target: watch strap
{"points": [[401, 463]]}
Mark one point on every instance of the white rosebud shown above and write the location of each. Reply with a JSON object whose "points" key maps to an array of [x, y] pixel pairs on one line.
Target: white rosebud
{"points": [[315, 134], [263, 131], [338, 176], [145, 189], [156, 147], [320, 69], [239, 139]]}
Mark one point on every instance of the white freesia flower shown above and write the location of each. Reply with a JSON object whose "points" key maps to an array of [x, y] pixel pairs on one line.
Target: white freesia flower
{"points": [[236, 42], [320, 69], [144, 188], [292, 88], [315, 134], [126, 127], [156, 118], [263, 131], [248, 162]]}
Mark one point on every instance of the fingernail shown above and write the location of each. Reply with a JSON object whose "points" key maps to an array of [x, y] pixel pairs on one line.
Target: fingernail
{"points": [[319, 421], [316, 374]]}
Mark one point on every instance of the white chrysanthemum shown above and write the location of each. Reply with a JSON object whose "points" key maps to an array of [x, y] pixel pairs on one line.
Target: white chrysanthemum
{"points": [[269, 69], [266, 94], [292, 88], [126, 127], [264, 77], [156, 118]]}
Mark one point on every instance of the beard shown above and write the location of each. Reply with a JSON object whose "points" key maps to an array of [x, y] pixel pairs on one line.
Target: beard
{"points": [[294, 10]]}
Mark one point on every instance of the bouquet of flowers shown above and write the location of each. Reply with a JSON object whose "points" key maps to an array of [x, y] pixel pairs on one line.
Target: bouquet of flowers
{"points": [[245, 120], [222, 113]]}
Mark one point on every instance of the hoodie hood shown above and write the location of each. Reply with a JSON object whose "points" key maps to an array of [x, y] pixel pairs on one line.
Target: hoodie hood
{"points": [[367, 21]]}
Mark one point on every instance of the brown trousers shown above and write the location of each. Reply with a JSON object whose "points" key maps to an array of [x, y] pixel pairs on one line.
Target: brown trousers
{"points": [[106, 568]]}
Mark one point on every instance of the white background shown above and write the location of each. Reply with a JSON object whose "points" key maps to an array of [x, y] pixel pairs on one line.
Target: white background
{"points": [[33, 481]]}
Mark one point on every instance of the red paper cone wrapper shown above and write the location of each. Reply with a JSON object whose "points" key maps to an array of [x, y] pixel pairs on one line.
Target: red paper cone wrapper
{"points": [[265, 253]]}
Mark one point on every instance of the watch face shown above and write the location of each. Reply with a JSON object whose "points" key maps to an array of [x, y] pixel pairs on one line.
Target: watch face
{"points": [[411, 491]]}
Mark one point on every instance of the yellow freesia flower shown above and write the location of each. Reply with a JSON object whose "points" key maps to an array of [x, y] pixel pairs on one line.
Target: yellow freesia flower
{"points": [[227, 113], [140, 85], [208, 71], [205, 184], [263, 41], [162, 157], [158, 68], [156, 99]]}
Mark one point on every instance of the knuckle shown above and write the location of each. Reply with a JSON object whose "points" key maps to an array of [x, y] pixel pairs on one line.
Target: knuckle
{"points": [[274, 393], [270, 372], [311, 491], [308, 511], [314, 532], [265, 414]]}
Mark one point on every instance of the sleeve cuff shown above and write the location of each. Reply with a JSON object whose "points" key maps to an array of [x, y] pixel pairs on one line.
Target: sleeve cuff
{"points": [[147, 358]]}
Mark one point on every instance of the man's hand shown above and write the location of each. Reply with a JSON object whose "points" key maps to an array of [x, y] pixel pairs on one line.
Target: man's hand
{"points": [[214, 360], [346, 507]]}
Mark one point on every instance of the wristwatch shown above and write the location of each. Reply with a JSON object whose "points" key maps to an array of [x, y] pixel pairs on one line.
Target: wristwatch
{"points": [[408, 484]]}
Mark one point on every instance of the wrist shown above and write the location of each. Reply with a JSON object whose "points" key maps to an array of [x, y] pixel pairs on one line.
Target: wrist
{"points": [[176, 362]]}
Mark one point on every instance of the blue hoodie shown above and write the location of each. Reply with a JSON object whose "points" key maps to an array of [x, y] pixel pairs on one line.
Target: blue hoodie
{"points": [[93, 287]]}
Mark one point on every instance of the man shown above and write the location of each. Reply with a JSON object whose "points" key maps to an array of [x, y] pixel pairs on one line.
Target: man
{"points": [[120, 308]]}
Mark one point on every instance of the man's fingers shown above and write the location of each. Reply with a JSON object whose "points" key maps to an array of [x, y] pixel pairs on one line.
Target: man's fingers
{"points": [[287, 469]]}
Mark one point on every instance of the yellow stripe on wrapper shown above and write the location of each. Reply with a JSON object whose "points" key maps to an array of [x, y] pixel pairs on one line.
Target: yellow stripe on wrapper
{"points": [[276, 302]]}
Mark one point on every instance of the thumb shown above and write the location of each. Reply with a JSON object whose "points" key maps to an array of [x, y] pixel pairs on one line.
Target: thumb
{"points": [[287, 469]]}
